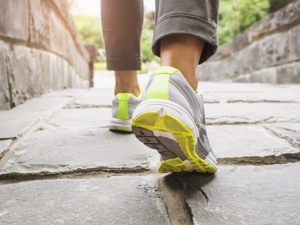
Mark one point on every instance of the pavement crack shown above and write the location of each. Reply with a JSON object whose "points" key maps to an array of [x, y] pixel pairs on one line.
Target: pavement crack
{"points": [[172, 191], [204, 194], [244, 121], [260, 101], [292, 141], [9, 82], [72, 174], [85, 106], [261, 160], [7, 139], [189, 212]]}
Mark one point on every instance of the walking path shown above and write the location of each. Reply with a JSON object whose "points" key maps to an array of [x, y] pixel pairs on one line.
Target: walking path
{"points": [[60, 165]]}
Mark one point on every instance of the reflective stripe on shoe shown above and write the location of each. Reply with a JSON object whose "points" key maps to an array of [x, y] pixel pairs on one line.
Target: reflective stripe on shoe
{"points": [[123, 106]]}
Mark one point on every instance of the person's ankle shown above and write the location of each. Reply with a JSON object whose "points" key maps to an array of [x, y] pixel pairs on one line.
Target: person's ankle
{"points": [[189, 75], [193, 82], [127, 82]]}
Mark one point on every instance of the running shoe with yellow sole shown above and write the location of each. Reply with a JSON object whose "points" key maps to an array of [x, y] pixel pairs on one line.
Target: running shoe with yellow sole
{"points": [[171, 120], [123, 106]]}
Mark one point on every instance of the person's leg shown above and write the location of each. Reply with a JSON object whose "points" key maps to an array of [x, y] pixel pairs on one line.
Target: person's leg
{"points": [[183, 52], [122, 22], [122, 25], [126, 82], [185, 34], [171, 118]]}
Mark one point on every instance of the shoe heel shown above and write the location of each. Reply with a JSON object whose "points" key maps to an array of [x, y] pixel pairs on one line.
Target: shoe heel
{"points": [[159, 123]]}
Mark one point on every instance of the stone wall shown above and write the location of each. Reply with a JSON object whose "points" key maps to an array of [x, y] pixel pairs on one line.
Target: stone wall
{"points": [[40, 50], [267, 52]]}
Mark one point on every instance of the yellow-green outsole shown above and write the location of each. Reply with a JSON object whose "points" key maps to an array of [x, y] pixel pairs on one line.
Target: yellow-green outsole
{"points": [[152, 120]]}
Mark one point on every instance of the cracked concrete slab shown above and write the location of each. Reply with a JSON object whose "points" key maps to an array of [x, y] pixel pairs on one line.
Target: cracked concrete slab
{"points": [[58, 151], [94, 98], [287, 131], [81, 118], [70, 92], [239, 113], [4, 147], [123, 200], [17, 121], [245, 195], [248, 143]]}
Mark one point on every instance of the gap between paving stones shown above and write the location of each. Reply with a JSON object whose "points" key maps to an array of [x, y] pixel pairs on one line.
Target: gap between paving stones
{"points": [[233, 121], [16, 177], [74, 105], [282, 136], [172, 192], [104, 171], [261, 160], [251, 101]]}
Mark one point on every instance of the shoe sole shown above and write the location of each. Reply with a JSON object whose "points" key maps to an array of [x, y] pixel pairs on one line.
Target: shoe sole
{"points": [[120, 125], [158, 125]]}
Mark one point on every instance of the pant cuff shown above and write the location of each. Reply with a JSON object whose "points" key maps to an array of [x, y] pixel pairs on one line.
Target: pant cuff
{"points": [[123, 64], [186, 24]]}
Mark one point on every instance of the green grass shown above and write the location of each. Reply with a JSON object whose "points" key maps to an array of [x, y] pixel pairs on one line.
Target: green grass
{"points": [[100, 66]]}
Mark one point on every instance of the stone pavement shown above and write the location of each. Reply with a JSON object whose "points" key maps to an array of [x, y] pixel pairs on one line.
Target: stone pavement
{"points": [[60, 165]]}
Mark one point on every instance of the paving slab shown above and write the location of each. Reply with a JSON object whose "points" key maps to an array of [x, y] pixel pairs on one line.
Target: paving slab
{"points": [[245, 195], [239, 92], [76, 118], [95, 97], [238, 113], [248, 143], [69, 92], [57, 151], [4, 147], [17, 121], [106, 79], [287, 131], [127, 200]]}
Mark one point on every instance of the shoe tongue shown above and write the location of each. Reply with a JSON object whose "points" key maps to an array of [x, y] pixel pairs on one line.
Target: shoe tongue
{"points": [[166, 70]]}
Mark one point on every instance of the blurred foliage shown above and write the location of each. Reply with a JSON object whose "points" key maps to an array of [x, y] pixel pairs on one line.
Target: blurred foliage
{"points": [[236, 16], [146, 42], [100, 65], [89, 30], [146, 47], [147, 36]]}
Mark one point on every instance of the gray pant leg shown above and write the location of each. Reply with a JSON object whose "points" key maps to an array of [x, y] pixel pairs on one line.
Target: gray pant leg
{"points": [[122, 22], [195, 17]]}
